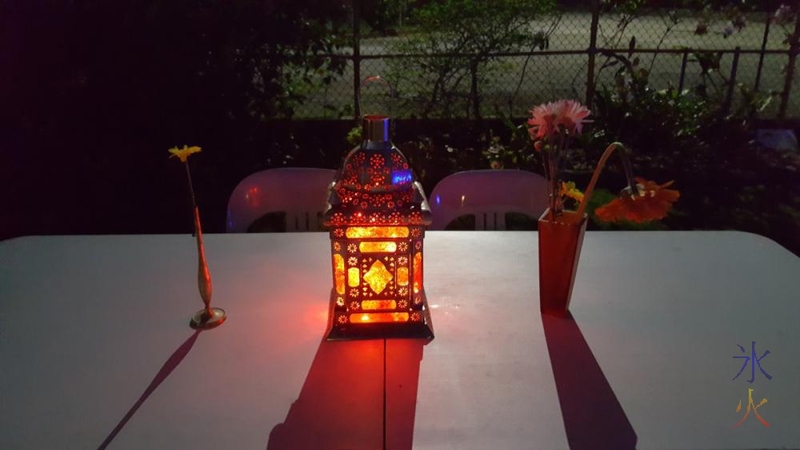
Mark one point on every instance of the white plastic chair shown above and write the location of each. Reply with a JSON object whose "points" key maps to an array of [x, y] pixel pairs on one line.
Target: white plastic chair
{"points": [[301, 193], [488, 195]]}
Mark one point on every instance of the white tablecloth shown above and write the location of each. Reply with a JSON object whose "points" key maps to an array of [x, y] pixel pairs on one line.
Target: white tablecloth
{"points": [[95, 328]]}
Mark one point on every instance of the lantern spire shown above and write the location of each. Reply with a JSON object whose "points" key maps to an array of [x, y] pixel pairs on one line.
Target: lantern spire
{"points": [[375, 130]]}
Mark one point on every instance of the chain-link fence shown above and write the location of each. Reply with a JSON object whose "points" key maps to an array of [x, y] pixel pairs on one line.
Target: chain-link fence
{"points": [[741, 61]]}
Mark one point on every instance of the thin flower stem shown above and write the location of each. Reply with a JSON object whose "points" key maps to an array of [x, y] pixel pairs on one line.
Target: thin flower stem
{"points": [[191, 187], [550, 173], [599, 168], [544, 165], [556, 161], [191, 191]]}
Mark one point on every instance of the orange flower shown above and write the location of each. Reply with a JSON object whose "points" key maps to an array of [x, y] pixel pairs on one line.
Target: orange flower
{"points": [[652, 203]]}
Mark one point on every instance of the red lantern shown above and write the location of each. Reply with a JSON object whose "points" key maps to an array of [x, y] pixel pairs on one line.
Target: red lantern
{"points": [[377, 214]]}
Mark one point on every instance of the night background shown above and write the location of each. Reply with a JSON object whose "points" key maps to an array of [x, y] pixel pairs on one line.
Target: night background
{"points": [[93, 93]]}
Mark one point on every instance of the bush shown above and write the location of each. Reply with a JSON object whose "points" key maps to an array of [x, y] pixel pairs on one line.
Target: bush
{"points": [[444, 86]]}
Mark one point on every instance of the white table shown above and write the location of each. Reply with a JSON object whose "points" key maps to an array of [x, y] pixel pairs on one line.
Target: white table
{"points": [[87, 323]]}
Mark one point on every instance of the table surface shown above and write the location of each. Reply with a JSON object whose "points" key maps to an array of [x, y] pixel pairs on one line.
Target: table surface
{"points": [[95, 346]]}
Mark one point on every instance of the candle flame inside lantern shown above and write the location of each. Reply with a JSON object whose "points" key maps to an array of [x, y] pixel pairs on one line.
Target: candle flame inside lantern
{"points": [[376, 232]]}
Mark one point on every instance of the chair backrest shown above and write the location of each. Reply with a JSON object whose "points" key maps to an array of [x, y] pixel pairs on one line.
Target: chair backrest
{"points": [[488, 195], [301, 193]]}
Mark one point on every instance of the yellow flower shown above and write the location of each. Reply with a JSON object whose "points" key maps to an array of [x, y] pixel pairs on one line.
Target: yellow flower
{"points": [[183, 153], [568, 189]]}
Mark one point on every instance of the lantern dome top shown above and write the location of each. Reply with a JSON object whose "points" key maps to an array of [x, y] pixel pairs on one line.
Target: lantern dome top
{"points": [[376, 165], [376, 185]]}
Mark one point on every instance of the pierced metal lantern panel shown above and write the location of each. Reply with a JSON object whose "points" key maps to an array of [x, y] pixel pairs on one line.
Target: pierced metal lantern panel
{"points": [[377, 216]]}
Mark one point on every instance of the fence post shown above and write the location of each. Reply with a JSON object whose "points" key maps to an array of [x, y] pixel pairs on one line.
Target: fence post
{"points": [[592, 51], [794, 45], [761, 56], [732, 80], [473, 92], [683, 69], [356, 59]]}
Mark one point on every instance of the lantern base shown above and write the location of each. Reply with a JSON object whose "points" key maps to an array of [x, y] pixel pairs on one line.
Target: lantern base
{"points": [[404, 330]]}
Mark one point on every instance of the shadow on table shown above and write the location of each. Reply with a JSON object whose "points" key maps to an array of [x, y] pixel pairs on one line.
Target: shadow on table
{"points": [[172, 362], [593, 417], [403, 358], [357, 395]]}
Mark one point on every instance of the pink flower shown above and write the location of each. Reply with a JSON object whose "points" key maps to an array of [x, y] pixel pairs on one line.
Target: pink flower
{"points": [[544, 120], [573, 115], [549, 118]]}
